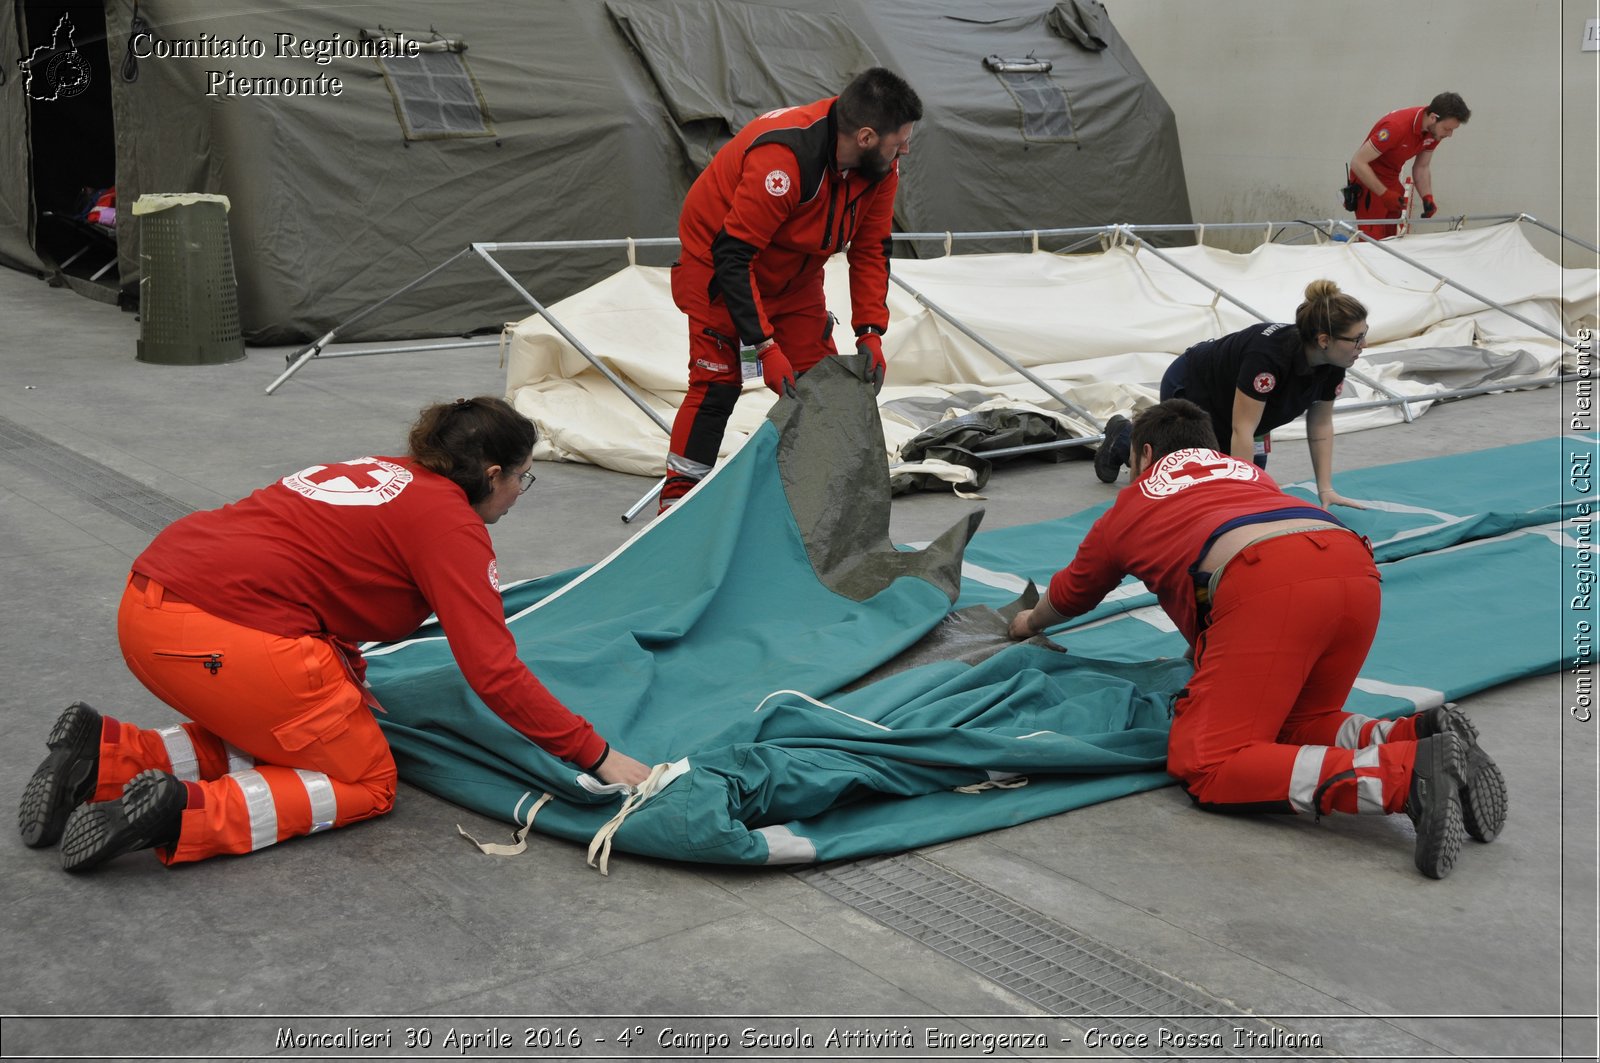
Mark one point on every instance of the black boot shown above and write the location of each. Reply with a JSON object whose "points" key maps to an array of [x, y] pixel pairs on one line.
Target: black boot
{"points": [[1113, 452], [146, 816], [1483, 797], [1434, 803], [64, 780]]}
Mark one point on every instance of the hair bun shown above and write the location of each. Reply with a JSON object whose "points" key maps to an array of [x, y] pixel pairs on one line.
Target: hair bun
{"points": [[1321, 289]]}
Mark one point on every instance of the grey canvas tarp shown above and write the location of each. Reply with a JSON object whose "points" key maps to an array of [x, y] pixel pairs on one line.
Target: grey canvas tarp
{"points": [[601, 114]]}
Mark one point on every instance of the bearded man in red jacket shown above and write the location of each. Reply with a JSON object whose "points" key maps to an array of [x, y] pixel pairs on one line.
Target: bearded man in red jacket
{"points": [[793, 188]]}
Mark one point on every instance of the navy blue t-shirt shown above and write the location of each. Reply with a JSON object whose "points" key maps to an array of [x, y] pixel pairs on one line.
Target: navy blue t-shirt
{"points": [[1267, 363]]}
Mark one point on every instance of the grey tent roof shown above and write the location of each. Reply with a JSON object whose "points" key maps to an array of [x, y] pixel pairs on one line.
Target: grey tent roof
{"points": [[599, 113]]}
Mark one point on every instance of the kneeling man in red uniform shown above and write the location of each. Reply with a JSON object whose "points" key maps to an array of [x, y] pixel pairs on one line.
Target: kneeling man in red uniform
{"points": [[1279, 602]]}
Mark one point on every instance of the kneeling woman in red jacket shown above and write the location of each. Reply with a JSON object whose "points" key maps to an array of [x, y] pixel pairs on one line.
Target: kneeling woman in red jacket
{"points": [[246, 618]]}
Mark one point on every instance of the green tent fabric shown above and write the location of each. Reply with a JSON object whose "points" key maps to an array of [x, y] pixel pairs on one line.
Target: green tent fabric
{"points": [[768, 641], [1472, 548]]}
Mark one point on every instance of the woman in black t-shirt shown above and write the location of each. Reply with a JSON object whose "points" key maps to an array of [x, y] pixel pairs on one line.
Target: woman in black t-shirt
{"points": [[1263, 377]]}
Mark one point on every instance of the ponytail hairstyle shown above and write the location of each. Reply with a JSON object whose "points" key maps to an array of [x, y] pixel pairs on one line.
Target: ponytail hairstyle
{"points": [[459, 440], [1327, 309]]}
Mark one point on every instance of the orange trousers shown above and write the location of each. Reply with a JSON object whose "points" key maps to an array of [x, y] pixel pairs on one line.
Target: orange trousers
{"points": [[1261, 725], [282, 744]]}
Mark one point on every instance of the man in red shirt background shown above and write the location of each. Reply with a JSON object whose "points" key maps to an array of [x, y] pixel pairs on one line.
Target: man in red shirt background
{"points": [[1279, 602], [792, 188], [1396, 138]]}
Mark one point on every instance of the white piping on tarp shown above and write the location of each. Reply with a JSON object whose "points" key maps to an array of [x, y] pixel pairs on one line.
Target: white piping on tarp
{"points": [[719, 467], [821, 705]]}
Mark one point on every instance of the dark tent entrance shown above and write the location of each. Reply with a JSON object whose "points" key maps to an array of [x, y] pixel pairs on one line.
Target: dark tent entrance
{"points": [[71, 145]]}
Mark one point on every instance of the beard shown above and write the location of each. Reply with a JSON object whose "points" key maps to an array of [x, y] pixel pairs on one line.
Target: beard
{"points": [[874, 167]]}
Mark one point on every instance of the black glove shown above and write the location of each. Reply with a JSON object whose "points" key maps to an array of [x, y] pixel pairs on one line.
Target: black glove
{"points": [[1429, 209]]}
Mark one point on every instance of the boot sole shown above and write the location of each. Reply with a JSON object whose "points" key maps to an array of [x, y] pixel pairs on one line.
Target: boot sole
{"points": [[1103, 468], [64, 779], [105, 830], [1439, 842], [1484, 798]]}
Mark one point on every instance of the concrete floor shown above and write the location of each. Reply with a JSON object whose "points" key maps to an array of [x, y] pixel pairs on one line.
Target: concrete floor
{"points": [[1324, 926]]}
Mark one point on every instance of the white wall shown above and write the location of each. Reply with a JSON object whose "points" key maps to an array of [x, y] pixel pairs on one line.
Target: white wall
{"points": [[1274, 96]]}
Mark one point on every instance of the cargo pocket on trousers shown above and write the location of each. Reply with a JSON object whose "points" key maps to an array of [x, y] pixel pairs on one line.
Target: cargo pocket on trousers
{"points": [[321, 724]]}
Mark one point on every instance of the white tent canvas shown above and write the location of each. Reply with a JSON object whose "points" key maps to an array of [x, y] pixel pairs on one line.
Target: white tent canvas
{"points": [[1099, 328]]}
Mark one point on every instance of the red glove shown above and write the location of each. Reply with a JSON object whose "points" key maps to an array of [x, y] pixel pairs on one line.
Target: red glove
{"points": [[1394, 202], [776, 370], [1429, 208], [871, 344]]}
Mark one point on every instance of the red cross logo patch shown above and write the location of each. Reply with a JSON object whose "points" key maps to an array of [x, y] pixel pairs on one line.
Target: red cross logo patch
{"points": [[1383, 135], [494, 574], [778, 183], [1184, 468], [1264, 383], [360, 482]]}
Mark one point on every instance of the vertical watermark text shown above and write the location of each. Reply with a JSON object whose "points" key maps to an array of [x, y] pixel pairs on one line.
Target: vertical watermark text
{"points": [[1580, 500]]}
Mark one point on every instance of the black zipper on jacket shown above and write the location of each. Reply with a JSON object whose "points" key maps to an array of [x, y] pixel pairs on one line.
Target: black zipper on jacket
{"points": [[827, 228]]}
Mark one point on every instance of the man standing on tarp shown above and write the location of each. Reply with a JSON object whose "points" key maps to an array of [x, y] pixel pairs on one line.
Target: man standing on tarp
{"points": [[794, 187], [1375, 189], [1279, 602]]}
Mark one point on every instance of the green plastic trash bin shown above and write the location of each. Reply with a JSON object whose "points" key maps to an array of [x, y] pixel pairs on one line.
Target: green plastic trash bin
{"points": [[188, 295]]}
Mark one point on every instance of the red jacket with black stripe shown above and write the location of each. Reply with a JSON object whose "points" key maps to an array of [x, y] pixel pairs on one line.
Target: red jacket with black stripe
{"points": [[773, 206]]}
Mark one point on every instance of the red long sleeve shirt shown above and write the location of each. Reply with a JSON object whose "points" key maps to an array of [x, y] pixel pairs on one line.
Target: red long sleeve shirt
{"points": [[364, 550], [1158, 527]]}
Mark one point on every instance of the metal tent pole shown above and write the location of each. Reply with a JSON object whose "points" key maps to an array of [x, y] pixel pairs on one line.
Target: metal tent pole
{"points": [[649, 497], [1031, 376], [413, 348], [1586, 245], [305, 354], [484, 252], [1402, 401], [1485, 300]]}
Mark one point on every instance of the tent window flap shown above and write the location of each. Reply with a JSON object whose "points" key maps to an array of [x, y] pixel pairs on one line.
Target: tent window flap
{"points": [[435, 95], [1046, 114]]}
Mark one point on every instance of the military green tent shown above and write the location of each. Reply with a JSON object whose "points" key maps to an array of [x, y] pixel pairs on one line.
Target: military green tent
{"points": [[363, 144]]}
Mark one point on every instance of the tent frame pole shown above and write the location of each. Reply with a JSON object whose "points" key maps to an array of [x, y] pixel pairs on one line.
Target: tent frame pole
{"points": [[486, 251], [1405, 405], [298, 359], [1485, 300], [1015, 365], [1586, 245]]}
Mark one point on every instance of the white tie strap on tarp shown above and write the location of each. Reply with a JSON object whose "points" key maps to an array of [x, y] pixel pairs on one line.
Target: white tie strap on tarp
{"points": [[658, 779]]}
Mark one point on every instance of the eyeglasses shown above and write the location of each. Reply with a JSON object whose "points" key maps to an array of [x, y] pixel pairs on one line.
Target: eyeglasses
{"points": [[525, 481], [1359, 341]]}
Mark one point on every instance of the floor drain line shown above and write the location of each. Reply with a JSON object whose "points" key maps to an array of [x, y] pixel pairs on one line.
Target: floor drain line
{"points": [[1053, 966], [106, 489]]}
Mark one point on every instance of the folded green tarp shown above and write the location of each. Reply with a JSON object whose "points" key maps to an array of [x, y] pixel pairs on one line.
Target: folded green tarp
{"points": [[818, 698]]}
